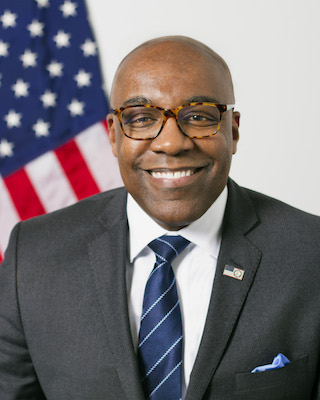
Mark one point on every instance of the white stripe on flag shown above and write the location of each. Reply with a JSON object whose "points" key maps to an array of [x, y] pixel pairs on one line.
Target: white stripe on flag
{"points": [[8, 216], [50, 182], [96, 150]]}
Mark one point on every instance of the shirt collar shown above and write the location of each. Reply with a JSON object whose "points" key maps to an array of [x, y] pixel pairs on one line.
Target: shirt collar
{"points": [[205, 232]]}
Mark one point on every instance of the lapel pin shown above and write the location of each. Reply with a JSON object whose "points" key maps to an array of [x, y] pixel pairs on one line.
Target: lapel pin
{"points": [[233, 272]]}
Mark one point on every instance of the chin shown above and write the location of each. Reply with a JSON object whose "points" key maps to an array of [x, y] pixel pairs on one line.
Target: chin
{"points": [[175, 220]]}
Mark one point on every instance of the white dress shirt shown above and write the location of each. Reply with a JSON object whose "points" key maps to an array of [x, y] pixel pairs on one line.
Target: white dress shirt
{"points": [[194, 270]]}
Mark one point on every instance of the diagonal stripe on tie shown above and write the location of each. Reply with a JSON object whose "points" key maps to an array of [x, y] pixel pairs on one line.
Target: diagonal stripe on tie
{"points": [[165, 379], [165, 355], [159, 298], [160, 336], [158, 324]]}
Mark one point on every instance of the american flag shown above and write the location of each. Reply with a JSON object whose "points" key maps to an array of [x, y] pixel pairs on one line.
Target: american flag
{"points": [[54, 147]]}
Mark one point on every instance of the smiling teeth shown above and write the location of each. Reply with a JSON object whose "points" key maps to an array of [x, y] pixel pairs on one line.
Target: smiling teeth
{"points": [[171, 175]]}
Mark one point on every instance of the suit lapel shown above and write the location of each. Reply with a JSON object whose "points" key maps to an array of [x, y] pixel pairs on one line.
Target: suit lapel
{"points": [[107, 254], [228, 295]]}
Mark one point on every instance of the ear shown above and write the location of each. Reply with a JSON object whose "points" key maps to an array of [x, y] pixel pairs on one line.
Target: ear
{"points": [[112, 133], [235, 130]]}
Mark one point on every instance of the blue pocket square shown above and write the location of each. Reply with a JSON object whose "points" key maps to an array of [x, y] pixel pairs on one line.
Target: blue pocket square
{"points": [[278, 362]]}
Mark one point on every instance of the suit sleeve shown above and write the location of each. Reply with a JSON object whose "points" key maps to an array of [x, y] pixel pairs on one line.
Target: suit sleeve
{"points": [[17, 376]]}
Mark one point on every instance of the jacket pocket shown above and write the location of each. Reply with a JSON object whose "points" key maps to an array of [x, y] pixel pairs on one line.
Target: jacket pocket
{"points": [[289, 382]]}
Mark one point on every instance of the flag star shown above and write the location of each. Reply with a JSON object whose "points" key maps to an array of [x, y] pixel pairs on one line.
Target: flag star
{"points": [[48, 99], [3, 49], [62, 39], [89, 48], [68, 9], [55, 69], [6, 148], [76, 107], [42, 3], [8, 19], [41, 128], [36, 28], [13, 119], [83, 78], [20, 88], [29, 59]]}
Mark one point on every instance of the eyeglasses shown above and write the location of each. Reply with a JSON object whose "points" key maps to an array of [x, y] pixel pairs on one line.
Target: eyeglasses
{"points": [[195, 120]]}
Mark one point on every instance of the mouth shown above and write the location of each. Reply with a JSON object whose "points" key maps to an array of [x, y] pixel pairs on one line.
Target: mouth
{"points": [[173, 174]]}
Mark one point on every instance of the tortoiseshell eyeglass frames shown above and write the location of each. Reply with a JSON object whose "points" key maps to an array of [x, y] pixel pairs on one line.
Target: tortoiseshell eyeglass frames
{"points": [[195, 120]]}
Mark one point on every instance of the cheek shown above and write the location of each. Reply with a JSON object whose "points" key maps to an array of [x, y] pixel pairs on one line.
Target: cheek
{"points": [[124, 160], [129, 153], [225, 157], [218, 148]]}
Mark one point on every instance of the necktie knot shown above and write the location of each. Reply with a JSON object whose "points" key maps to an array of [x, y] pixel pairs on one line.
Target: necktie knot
{"points": [[167, 247]]}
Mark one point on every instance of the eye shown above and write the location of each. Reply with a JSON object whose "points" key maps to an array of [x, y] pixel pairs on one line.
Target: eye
{"points": [[199, 116], [139, 118], [134, 118]]}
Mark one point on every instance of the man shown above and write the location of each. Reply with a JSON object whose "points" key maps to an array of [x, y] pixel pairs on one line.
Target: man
{"points": [[75, 284]]}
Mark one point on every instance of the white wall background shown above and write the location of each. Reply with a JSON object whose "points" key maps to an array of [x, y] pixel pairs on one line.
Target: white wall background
{"points": [[273, 50]]}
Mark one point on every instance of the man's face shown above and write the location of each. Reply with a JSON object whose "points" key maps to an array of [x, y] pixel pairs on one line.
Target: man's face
{"points": [[174, 178]]}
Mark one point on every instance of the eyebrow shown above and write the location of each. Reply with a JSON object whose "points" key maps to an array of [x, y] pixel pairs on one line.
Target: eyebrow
{"points": [[201, 99], [144, 100], [137, 100]]}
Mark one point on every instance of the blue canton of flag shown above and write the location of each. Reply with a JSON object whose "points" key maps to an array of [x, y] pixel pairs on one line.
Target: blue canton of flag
{"points": [[50, 83]]}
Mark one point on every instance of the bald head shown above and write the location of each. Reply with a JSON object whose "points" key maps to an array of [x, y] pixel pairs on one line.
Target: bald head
{"points": [[178, 52]]}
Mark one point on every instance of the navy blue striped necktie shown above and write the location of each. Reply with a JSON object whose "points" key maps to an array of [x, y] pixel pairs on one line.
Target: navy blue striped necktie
{"points": [[160, 337]]}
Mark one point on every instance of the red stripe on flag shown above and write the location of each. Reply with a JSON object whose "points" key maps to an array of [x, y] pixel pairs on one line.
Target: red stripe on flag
{"points": [[76, 170], [1, 259], [106, 125], [23, 195]]}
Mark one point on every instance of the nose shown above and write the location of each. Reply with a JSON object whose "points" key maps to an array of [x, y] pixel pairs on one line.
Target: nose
{"points": [[171, 140]]}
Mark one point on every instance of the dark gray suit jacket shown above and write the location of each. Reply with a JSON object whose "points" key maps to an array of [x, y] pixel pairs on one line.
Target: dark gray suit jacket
{"points": [[64, 330]]}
